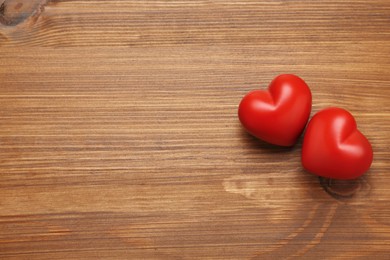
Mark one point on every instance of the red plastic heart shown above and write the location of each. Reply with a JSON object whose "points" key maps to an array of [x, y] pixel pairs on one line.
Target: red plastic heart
{"points": [[333, 147], [277, 115]]}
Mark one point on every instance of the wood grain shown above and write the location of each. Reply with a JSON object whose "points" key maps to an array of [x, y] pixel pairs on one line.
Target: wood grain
{"points": [[119, 136]]}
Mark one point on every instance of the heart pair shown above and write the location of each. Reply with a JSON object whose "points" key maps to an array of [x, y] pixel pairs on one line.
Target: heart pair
{"points": [[332, 147]]}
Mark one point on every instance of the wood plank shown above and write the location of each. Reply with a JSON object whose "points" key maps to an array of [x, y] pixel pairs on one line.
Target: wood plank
{"points": [[119, 135]]}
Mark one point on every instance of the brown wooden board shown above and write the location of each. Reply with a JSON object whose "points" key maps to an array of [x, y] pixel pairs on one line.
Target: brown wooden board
{"points": [[119, 136]]}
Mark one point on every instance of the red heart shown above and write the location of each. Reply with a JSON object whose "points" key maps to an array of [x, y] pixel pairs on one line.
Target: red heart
{"points": [[333, 147], [277, 115]]}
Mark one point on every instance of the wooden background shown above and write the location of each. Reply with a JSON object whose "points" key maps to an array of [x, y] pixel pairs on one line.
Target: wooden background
{"points": [[119, 135]]}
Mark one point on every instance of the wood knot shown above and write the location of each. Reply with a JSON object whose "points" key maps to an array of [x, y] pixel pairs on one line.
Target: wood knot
{"points": [[14, 12], [344, 189], [18, 6]]}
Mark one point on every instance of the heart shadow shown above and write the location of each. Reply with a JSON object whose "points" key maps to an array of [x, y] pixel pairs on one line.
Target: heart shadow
{"points": [[254, 143]]}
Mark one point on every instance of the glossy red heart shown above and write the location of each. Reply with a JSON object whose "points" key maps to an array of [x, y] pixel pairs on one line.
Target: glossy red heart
{"points": [[277, 115], [333, 147]]}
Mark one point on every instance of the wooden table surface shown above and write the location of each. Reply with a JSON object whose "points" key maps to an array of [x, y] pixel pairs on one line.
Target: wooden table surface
{"points": [[119, 136]]}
